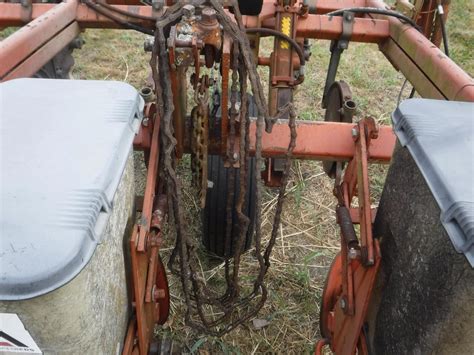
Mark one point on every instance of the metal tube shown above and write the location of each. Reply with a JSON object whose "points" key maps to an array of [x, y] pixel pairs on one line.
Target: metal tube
{"points": [[44, 54], [442, 73], [323, 141], [21, 44], [326, 27]]}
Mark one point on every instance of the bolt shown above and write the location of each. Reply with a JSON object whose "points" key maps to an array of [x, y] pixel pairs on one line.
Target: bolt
{"points": [[208, 15], [188, 11], [354, 132], [343, 304], [353, 253]]}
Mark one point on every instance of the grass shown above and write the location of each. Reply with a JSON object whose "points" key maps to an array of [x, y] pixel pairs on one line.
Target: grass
{"points": [[309, 237]]}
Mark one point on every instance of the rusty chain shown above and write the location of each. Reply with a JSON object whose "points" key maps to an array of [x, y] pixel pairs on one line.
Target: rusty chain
{"points": [[231, 308], [200, 138]]}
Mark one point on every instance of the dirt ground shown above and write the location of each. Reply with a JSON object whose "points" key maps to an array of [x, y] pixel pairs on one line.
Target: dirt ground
{"points": [[308, 237]]}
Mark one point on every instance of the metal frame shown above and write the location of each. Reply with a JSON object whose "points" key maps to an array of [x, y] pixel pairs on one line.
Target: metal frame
{"points": [[53, 26]]}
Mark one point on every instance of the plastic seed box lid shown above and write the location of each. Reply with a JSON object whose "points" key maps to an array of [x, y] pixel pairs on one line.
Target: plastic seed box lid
{"points": [[439, 135], [63, 148]]}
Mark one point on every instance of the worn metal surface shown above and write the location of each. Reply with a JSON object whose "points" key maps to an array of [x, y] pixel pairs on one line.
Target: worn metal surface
{"points": [[352, 276], [43, 55], [323, 141], [95, 304], [440, 72], [30, 38]]}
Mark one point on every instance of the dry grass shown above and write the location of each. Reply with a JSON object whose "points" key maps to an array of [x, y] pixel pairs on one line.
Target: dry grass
{"points": [[308, 238]]}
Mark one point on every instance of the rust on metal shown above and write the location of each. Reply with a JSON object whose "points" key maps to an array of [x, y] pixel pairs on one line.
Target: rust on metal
{"points": [[43, 55], [19, 46], [150, 187], [225, 68], [445, 75], [323, 141], [326, 27]]}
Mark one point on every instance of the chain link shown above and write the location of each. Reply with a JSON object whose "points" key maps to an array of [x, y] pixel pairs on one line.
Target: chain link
{"points": [[200, 138], [231, 308]]}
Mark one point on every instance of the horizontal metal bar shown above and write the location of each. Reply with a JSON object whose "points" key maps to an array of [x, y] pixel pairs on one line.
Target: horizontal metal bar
{"points": [[323, 141], [44, 54], [315, 7], [330, 27], [10, 14], [312, 26], [325, 6]]}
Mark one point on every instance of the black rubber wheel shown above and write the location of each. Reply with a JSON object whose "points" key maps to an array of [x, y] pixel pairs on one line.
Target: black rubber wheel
{"points": [[338, 95], [215, 212]]}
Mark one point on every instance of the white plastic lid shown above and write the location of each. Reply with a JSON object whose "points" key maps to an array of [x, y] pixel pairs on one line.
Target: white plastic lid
{"points": [[63, 148]]}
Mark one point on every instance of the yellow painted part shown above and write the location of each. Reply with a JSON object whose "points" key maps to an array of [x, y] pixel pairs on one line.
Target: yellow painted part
{"points": [[285, 29]]}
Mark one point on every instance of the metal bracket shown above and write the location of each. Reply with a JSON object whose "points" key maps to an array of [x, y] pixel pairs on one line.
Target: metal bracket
{"points": [[337, 47]]}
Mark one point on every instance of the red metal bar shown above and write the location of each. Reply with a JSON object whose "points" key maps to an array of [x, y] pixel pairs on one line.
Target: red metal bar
{"points": [[313, 26], [422, 83], [17, 47], [150, 187], [323, 140], [88, 18], [363, 192], [10, 13], [445, 75], [326, 27], [39, 58], [347, 329], [325, 6], [315, 6]]}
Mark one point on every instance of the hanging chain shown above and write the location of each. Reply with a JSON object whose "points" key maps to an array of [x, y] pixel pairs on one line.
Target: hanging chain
{"points": [[207, 310], [200, 138]]}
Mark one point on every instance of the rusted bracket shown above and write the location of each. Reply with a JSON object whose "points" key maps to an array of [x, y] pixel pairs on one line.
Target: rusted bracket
{"points": [[150, 287], [367, 130], [352, 276], [337, 47], [142, 140]]}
